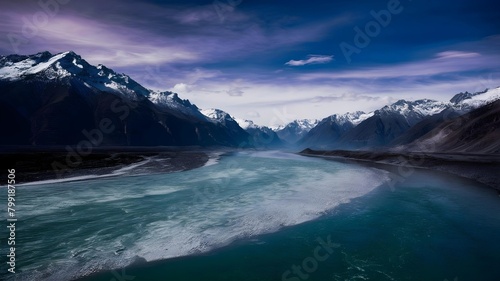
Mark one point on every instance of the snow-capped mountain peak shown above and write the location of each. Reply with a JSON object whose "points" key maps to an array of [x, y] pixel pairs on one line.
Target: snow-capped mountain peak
{"points": [[15, 67], [462, 102], [171, 101], [359, 116], [468, 101], [221, 117], [413, 111], [301, 124], [423, 107], [307, 123], [246, 124], [68, 65], [216, 114], [350, 117], [59, 96], [296, 129]]}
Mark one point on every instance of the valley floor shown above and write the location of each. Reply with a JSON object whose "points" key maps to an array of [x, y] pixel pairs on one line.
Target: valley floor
{"points": [[479, 167]]}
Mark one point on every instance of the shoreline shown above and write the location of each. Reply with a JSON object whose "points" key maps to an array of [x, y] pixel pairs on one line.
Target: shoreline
{"points": [[479, 168], [39, 166]]}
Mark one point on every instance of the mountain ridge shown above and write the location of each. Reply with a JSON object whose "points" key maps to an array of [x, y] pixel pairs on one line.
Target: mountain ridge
{"points": [[58, 99], [389, 124], [34, 88]]}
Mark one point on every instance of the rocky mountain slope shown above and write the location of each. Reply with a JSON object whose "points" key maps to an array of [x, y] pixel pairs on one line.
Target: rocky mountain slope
{"points": [[475, 132], [396, 124], [295, 130], [60, 99]]}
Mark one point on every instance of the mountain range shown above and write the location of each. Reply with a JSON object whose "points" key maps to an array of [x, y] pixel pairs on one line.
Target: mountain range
{"points": [[295, 130], [61, 99], [261, 136], [475, 132], [393, 125]]}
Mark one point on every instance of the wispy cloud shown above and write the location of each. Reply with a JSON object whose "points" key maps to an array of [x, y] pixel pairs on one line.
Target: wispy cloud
{"points": [[235, 92], [311, 59], [456, 55], [350, 96], [444, 63]]}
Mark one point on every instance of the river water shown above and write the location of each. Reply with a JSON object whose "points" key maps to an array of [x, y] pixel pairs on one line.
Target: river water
{"points": [[259, 216]]}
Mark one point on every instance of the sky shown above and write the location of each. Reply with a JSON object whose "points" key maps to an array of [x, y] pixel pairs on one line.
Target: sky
{"points": [[273, 61]]}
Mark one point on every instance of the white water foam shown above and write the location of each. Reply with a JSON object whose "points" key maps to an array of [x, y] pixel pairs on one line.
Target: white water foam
{"points": [[280, 204], [119, 172], [213, 158]]}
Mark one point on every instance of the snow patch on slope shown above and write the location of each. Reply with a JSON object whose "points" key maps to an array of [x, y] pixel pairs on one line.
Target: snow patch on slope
{"points": [[481, 99], [299, 124], [171, 101], [216, 115], [46, 66], [355, 120], [246, 124]]}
